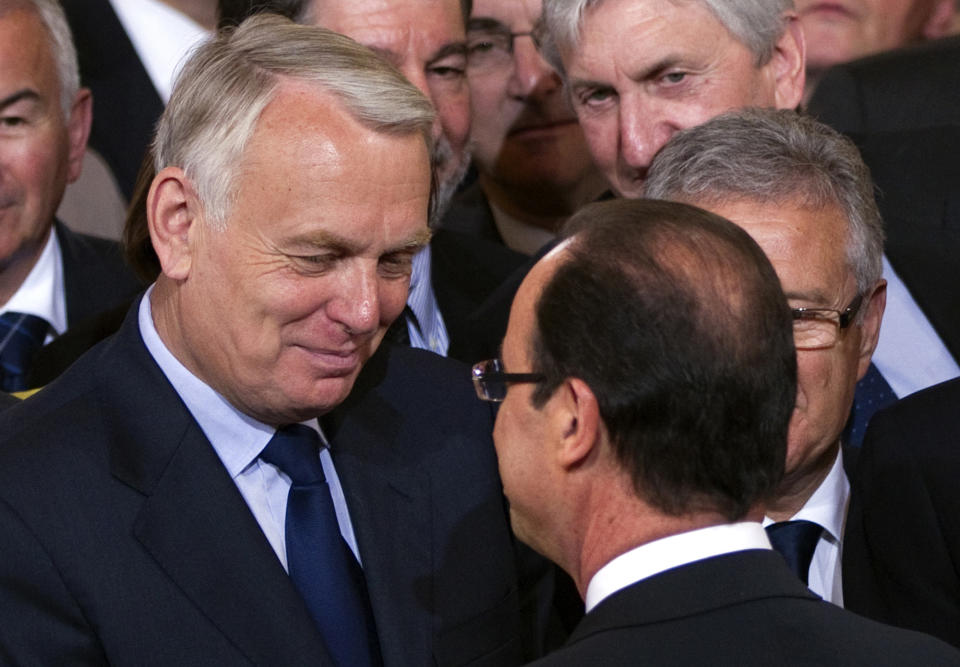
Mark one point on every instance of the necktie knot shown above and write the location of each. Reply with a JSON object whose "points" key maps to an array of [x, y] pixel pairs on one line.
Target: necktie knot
{"points": [[21, 335], [295, 450], [796, 542]]}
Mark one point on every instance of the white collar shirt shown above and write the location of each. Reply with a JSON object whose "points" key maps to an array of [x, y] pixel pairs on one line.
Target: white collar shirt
{"points": [[42, 293], [667, 553], [827, 507]]}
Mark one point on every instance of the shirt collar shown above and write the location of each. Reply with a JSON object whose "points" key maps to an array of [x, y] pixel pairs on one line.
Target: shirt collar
{"points": [[827, 506], [42, 293], [673, 551]]}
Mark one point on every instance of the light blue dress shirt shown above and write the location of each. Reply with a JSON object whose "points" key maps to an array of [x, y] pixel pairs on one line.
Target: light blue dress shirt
{"points": [[426, 328], [238, 441]]}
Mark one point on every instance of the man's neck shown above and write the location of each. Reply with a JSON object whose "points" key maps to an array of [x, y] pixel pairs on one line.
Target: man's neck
{"points": [[547, 208], [626, 528]]}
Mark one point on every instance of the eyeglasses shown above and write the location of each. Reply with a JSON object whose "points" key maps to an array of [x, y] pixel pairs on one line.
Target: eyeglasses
{"points": [[819, 328], [491, 381], [492, 50]]}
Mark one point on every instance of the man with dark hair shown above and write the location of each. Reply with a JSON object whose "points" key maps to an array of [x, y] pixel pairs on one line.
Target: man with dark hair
{"points": [[533, 166], [647, 382]]}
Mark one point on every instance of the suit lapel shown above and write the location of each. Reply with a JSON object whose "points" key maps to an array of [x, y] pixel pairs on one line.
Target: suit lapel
{"points": [[390, 509], [193, 520]]}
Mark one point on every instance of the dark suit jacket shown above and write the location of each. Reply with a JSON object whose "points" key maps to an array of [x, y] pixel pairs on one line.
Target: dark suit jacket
{"points": [[7, 401], [470, 214], [744, 608], [465, 272], [97, 281], [126, 542], [903, 523], [125, 103], [906, 89], [96, 277]]}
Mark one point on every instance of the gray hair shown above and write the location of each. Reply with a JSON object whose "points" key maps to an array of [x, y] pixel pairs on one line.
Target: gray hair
{"points": [[758, 24], [228, 81], [775, 156], [61, 45]]}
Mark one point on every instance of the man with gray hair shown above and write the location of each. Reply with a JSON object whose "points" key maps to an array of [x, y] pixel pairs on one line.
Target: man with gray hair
{"points": [[640, 70], [803, 193], [243, 474], [50, 278], [426, 40]]}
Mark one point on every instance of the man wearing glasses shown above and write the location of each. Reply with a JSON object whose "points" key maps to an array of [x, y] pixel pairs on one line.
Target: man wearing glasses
{"points": [[647, 384], [803, 193]]}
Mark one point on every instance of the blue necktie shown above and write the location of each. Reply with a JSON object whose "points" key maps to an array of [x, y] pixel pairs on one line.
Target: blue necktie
{"points": [[21, 335], [873, 393], [796, 542], [320, 563]]}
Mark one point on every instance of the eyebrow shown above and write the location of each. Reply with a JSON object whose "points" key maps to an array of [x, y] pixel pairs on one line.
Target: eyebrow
{"points": [[646, 72], [24, 94], [816, 296], [447, 50], [484, 24], [326, 239]]}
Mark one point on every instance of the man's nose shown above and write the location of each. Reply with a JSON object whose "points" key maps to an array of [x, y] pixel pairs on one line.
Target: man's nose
{"points": [[531, 74], [357, 307]]}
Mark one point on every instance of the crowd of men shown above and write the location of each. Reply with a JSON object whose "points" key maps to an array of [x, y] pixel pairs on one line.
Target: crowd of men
{"points": [[714, 337]]}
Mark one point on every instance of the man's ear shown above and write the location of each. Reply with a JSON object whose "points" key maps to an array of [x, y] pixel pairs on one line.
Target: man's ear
{"points": [[788, 65], [173, 216], [78, 132], [575, 416], [872, 317]]}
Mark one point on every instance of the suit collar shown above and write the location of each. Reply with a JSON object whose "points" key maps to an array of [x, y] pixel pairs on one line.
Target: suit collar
{"points": [[695, 588], [193, 520]]}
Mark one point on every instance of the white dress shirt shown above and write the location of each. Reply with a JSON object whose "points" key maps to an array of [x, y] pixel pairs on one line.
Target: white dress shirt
{"points": [[828, 508], [238, 441], [670, 552], [42, 293], [161, 36]]}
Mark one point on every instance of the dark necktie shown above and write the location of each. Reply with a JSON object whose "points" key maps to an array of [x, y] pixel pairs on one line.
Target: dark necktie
{"points": [[872, 394], [319, 561], [796, 541], [21, 335]]}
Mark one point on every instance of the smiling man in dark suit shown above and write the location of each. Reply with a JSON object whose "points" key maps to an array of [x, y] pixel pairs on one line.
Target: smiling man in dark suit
{"points": [[172, 498], [648, 378], [50, 277]]}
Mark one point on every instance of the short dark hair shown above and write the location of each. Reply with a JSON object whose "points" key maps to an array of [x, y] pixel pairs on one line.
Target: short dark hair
{"points": [[675, 319], [233, 12]]}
